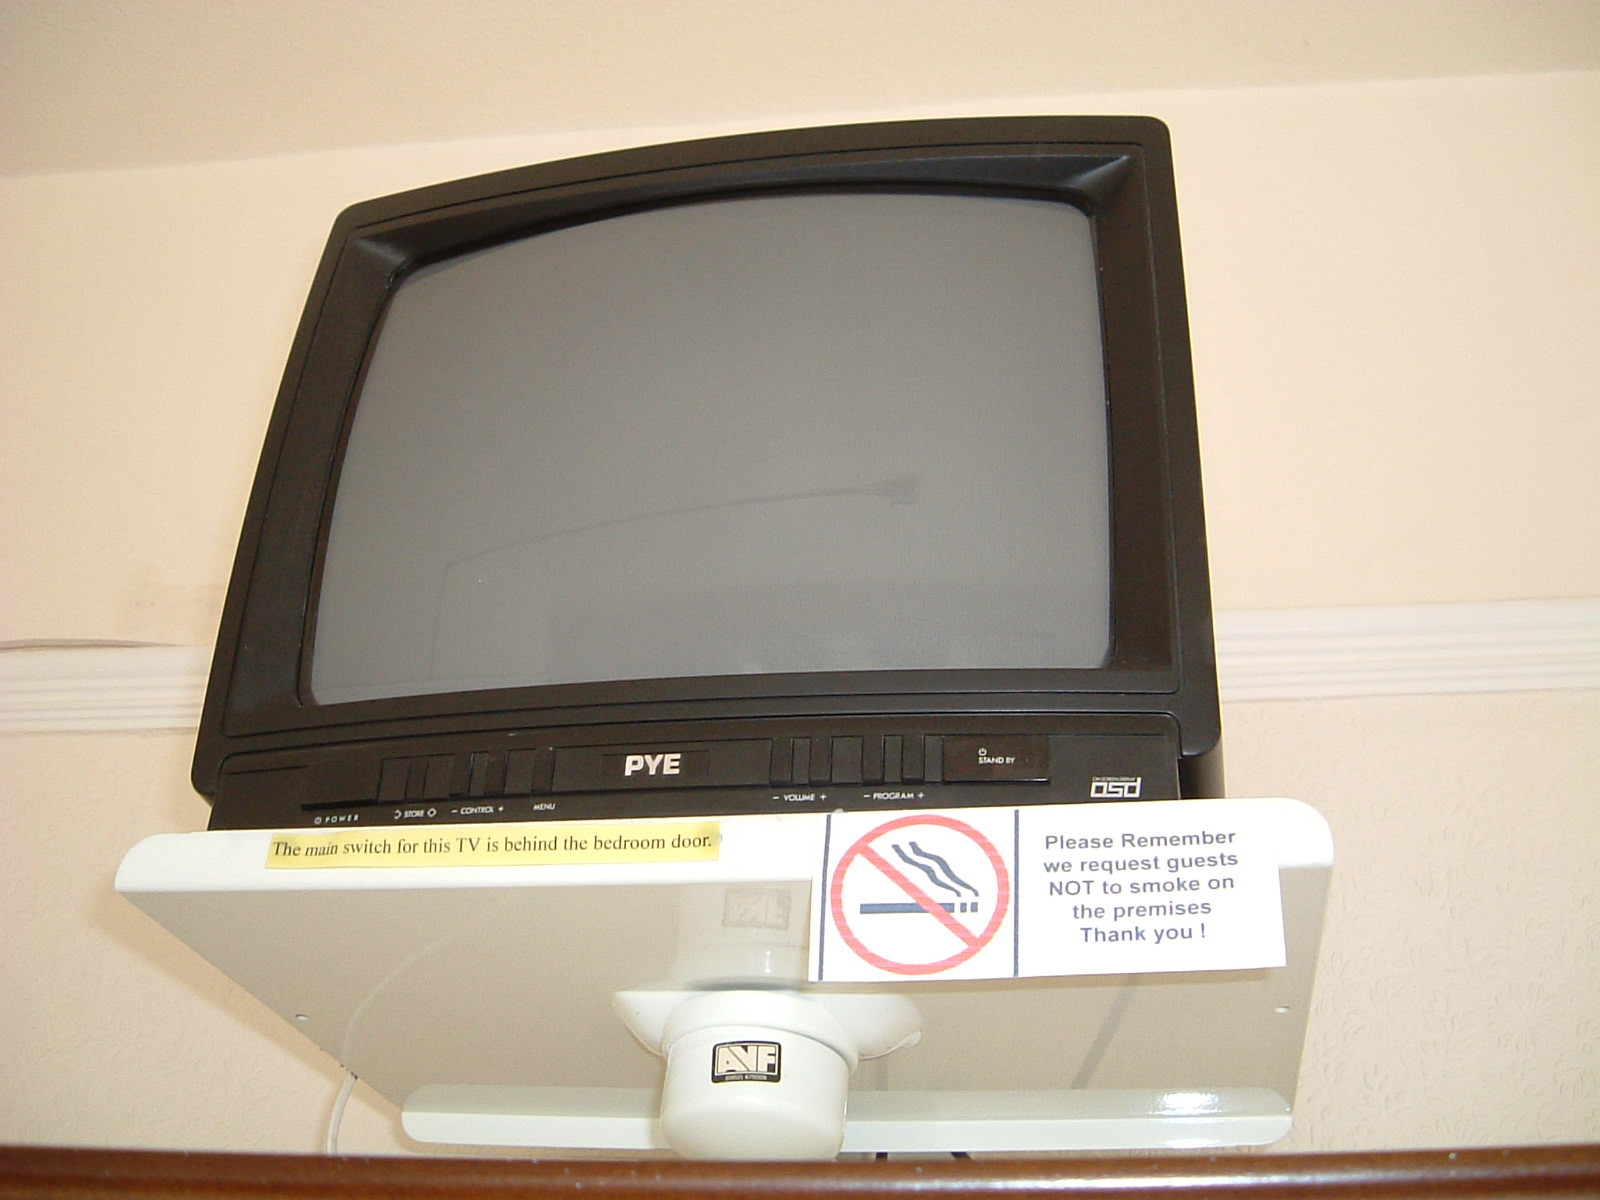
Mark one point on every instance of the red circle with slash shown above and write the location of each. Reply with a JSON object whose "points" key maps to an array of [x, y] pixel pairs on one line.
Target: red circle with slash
{"points": [[864, 854]]}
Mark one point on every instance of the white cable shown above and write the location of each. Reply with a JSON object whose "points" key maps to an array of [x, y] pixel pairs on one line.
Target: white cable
{"points": [[332, 1144]]}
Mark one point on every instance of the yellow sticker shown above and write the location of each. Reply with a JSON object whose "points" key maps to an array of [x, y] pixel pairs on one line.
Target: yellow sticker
{"points": [[522, 845]]}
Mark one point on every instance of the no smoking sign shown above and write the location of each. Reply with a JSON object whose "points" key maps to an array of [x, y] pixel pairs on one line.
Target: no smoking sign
{"points": [[919, 896], [1046, 890]]}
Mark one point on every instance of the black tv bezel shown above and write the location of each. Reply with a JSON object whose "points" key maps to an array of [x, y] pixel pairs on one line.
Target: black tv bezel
{"points": [[1116, 169]]}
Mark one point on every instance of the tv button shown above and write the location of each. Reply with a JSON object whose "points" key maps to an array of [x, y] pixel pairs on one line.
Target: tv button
{"points": [[519, 772], [392, 780], [1015, 758], [782, 761], [846, 764], [891, 758], [821, 759], [436, 776]]}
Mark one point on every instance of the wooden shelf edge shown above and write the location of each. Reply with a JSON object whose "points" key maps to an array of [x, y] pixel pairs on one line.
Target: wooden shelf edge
{"points": [[62, 1173]]}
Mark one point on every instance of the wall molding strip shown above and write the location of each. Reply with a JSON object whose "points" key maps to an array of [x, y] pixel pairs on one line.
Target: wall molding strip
{"points": [[1262, 654], [1408, 649], [68, 688]]}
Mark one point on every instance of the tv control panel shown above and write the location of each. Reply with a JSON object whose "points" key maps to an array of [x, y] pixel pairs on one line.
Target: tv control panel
{"points": [[518, 775]]}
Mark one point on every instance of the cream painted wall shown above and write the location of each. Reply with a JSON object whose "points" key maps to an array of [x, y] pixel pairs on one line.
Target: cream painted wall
{"points": [[94, 84], [1395, 295]]}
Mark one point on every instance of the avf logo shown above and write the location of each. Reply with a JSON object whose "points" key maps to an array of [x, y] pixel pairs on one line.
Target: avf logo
{"points": [[746, 1062]]}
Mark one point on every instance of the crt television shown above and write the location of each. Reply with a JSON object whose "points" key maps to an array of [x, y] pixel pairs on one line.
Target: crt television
{"points": [[848, 467]]}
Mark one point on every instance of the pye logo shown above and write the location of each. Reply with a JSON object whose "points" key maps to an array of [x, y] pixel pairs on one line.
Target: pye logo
{"points": [[1115, 787], [653, 764]]}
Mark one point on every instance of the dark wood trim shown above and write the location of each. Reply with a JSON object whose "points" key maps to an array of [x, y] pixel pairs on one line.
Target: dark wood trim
{"points": [[58, 1173]]}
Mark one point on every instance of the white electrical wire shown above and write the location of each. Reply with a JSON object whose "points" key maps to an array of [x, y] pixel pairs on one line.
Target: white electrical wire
{"points": [[331, 1146]]}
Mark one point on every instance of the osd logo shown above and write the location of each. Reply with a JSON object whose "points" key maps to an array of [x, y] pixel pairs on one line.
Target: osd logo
{"points": [[1115, 787]]}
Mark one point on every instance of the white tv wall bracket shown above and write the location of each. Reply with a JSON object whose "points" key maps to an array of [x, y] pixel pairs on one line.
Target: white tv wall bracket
{"points": [[484, 1000]]}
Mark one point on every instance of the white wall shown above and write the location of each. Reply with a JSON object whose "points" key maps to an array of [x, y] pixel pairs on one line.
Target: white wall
{"points": [[1395, 296]]}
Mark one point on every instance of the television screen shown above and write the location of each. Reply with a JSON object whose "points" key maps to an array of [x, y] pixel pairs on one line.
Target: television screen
{"points": [[831, 432], [809, 455]]}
